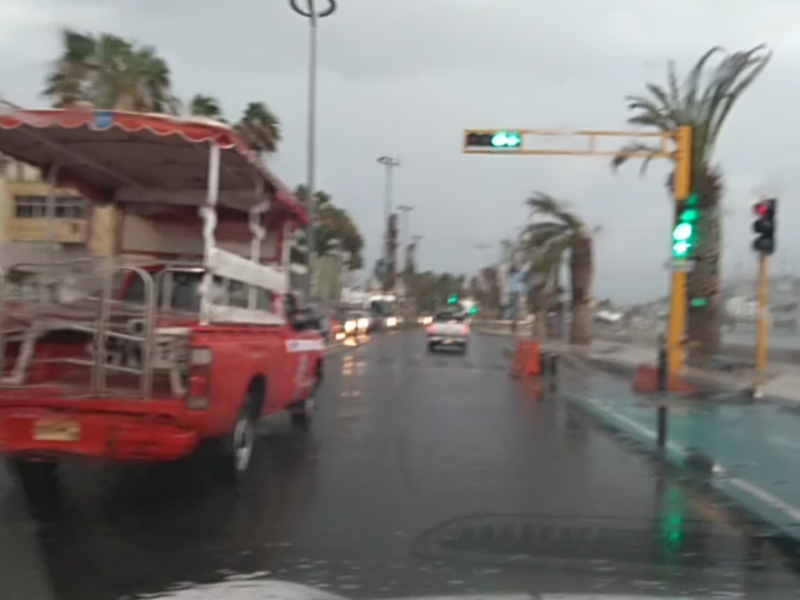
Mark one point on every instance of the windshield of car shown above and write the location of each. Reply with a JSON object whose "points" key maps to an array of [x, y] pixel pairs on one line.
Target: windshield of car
{"points": [[382, 308], [449, 317]]}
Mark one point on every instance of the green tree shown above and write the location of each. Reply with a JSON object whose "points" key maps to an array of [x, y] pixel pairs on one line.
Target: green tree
{"points": [[335, 223], [110, 72], [434, 288], [703, 100], [206, 106], [554, 233], [260, 127]]}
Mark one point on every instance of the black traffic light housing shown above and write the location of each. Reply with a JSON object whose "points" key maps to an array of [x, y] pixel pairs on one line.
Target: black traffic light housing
{"points": [[765, 226], [494, 140], [479, 140]]}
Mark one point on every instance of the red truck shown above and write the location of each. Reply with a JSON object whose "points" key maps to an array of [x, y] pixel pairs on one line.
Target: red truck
{"points": [[186, 337]]}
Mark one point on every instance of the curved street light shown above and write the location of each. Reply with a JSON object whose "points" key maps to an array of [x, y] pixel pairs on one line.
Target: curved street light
{"points": [[313, 14]]}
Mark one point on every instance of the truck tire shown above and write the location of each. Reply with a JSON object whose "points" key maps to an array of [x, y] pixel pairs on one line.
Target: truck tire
{"points": [[39, 482], [235, 450], [302, 413]]}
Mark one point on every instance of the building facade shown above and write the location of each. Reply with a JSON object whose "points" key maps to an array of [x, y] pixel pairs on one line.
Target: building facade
{"points": [[78, 225]]}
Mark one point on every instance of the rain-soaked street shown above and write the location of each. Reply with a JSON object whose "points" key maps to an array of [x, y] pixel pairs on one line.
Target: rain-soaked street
{"points": [[422, 474]]}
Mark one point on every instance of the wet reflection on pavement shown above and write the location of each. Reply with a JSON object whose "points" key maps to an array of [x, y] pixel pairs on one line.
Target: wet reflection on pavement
{"points": [[423, 474]]}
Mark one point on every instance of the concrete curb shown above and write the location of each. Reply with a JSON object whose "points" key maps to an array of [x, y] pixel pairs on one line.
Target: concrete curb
{"points": [[750, 498]]}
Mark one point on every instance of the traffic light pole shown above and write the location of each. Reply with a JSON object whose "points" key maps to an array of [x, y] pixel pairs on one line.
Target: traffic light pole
{"points": [[765, 245], [763, 325], [676, 146], [676, 346]]}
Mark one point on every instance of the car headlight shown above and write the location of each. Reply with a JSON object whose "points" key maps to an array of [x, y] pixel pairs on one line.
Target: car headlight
{"points": [[363, 323], [391, 322], [349, 326]]}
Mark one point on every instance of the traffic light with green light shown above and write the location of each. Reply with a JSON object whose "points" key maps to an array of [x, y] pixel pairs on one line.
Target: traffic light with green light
{"points": [[684, 236], [452, 299], [493, 140], [764, 226]]}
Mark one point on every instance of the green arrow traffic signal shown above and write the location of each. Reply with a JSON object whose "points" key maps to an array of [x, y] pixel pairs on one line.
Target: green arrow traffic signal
{"points": [[684, 234], [507, 139]]}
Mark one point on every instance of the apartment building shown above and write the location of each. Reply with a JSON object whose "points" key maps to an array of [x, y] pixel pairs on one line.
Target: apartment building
{"points": [[23, 211]]}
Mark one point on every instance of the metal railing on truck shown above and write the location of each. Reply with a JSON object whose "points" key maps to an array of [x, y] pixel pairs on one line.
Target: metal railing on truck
{"points": [[73, 296]]}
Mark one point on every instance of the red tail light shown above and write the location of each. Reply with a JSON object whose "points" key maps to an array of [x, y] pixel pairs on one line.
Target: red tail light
{"points": [[467, 328], [198, 394], [430, 328]]}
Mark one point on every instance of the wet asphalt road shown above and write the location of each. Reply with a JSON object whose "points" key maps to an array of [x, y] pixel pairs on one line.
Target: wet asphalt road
{"points": [[422, 474]]}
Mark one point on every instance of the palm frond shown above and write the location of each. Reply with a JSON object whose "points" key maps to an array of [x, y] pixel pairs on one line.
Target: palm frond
{"points": [[694, 79], [740, 84], [634, 149]]}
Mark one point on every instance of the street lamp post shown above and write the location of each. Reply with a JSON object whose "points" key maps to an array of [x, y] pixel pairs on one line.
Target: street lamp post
{"points": [[313, 14], [389, 164], [405, 209]]}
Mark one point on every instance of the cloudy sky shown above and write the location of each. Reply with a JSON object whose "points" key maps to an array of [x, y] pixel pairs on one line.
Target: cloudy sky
{"points": [[405, 77]]}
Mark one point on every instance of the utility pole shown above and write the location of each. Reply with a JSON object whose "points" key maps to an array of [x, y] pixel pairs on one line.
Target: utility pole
{"points": [[405, 236], [406, 233], [411, 288], [313, 14], [389, 163]]}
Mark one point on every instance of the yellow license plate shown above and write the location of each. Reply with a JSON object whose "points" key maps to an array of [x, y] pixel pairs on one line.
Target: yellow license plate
{"points": [[56, 430]]}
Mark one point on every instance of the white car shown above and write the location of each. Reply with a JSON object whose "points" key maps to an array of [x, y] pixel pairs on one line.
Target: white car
{"points": [[448, 330]]}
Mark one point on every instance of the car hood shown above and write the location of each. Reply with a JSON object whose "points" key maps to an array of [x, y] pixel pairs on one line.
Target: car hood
{"points": [[284, 590]]}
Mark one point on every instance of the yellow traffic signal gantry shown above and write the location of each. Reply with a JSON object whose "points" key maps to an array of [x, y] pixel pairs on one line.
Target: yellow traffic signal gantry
{"points": [[675, 145]]}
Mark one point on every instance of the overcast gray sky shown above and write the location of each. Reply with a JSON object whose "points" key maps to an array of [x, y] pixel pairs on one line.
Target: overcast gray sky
{"points": [[405, 77]]}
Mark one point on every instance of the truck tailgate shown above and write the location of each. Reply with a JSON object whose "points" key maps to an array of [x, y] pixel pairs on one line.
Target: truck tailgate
{"points": [[449, 329]]}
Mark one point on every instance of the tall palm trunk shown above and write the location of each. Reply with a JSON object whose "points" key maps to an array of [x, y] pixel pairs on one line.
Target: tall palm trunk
{"points": [[581, 269], [703, 283], [537, 302]]}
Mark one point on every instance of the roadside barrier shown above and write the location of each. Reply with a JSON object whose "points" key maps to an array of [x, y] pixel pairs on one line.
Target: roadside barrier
{"points": [[527, 359], [647, 380]]}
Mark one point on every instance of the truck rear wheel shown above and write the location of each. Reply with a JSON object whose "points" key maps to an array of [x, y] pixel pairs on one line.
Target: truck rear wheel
{"points": [[39, 480], [302, 413], [236, 448]]}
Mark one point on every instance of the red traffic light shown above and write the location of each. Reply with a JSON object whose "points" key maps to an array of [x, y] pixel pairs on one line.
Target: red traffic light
{"points": [[764, 207]]}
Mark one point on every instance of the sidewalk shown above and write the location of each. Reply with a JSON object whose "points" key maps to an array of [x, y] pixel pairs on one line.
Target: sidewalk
{"points": [[751, 448], [783, 379]]}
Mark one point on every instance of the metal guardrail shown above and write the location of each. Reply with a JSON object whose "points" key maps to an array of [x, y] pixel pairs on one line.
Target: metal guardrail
{"points": [[505, 327]]}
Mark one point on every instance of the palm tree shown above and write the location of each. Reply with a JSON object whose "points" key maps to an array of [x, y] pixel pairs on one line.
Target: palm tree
{"points": [[206, 106], [335, 223], [109, 72], [704, 101], [260, 127], [562, 233]]}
